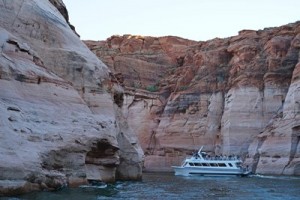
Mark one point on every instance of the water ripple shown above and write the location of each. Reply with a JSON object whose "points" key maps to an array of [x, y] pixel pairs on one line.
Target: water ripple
{"points": [[167, 186]]}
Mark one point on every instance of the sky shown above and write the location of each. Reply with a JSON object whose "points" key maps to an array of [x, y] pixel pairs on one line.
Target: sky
{"points": [[191, 19]]}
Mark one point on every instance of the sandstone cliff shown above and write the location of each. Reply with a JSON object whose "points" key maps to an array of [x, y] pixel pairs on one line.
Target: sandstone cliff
{"points": [[60, 121], [237, 95]]}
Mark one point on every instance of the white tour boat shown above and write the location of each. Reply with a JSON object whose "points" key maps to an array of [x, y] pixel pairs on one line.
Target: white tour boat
{"points": [[202, 164]]}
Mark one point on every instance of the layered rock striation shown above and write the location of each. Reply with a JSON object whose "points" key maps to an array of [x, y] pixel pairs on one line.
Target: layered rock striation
{"points": [[237, 95], [60, 122]]}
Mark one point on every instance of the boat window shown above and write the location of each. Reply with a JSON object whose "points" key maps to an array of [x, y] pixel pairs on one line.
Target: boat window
{"points": [[191, 164], [230, 165], [197, 164], [214, 164], [205, 164], [222, 164]]}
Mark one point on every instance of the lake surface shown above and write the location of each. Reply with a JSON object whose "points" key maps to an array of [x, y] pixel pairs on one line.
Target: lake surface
{"points": [[167, 186]]}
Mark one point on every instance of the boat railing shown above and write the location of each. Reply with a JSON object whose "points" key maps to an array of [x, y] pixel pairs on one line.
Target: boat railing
{"points": [[221, 158]]}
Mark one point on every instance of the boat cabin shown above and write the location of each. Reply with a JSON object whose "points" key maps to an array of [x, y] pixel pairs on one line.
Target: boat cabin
{"points": [[212, 164]]}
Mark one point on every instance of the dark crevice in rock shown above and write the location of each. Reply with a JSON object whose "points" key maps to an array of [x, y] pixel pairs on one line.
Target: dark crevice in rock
{"points": [[295, 139], [21, 78], [118, 99], [11, 108], [39, 80], [180, 61], [101, 160], [102, 149], [257, 155]]}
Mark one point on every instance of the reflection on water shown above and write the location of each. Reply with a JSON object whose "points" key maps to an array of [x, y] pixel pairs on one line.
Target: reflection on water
{"points": [[167, 186]]}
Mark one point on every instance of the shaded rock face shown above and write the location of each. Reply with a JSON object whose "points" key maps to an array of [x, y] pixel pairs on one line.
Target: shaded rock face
{"points": [[237, 95], [59, 4], [59, 122]]}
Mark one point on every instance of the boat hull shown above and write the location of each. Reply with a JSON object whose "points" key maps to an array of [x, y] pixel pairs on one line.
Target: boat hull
{"points": [[187, 171]]}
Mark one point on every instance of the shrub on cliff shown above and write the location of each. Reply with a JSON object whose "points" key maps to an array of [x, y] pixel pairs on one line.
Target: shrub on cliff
{"points": [[152, 88]]}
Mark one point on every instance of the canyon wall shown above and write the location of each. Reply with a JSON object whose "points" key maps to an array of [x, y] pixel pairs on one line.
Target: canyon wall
{"points": [[60, 122], [237, 95]]}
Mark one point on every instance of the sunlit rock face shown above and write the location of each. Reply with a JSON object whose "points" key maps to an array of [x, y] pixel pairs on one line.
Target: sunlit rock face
{"points": [[236, 95], [60, 122], [276, 150]]}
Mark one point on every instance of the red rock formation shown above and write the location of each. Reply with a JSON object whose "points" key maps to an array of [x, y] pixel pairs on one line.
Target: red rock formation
{"points": [[226, 94], [143, 61]]}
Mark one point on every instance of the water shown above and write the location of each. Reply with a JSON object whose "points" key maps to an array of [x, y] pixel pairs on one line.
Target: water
{"points": [[167, 186]]}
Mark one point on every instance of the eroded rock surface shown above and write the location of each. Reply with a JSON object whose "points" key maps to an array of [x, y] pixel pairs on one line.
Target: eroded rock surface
{"points": [[60, 124], [237, 95]]}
